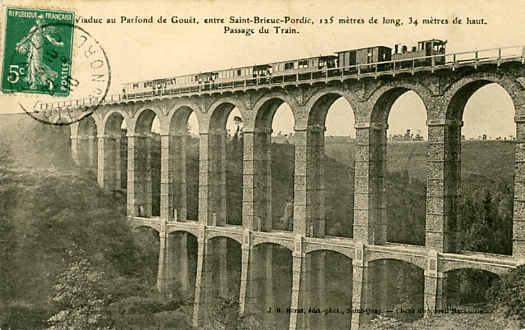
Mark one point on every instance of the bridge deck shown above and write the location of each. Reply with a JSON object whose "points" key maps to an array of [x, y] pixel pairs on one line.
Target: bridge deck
{"points": [[454, 61]]}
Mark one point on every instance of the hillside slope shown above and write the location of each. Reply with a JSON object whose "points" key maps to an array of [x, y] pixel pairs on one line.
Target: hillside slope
{"points": [[32, 144], [488, 158]]}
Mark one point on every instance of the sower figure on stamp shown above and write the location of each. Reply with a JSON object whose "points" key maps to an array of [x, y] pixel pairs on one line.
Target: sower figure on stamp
{"points": [[32, 45]]}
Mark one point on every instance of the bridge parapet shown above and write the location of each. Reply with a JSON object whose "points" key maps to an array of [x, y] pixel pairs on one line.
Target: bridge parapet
{"points": [[496, 56]]}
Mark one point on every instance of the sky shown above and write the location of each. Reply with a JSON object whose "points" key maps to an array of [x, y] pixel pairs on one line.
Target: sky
{"points": [[143, 51]]}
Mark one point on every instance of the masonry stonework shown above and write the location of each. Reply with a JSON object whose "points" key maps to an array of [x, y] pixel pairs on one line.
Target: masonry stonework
{"points": [[444, 94]]}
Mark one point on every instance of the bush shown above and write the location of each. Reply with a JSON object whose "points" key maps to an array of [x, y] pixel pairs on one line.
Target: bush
{"points": [[224, 315], [146, 305], [508, 297], [160, 321], [386, 323], [81, 292], [142, 307]]}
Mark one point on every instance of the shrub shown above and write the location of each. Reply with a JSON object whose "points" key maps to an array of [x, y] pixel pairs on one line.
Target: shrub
{"points": [[146, 305], [386, 323], [81, 292], [508, 297]]}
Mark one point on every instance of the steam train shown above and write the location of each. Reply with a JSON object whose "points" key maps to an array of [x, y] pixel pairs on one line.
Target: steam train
{"points": [[346, 62]]}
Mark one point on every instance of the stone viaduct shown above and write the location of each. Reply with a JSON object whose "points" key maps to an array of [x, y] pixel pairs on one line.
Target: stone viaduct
{"points": [[444, 92]]}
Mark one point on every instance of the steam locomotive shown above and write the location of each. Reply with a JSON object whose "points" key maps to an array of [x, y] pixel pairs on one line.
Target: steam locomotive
{"points": [[378, 58]]}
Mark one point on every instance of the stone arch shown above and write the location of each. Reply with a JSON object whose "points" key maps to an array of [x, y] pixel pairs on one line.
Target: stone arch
{"points": [[375, 133], [87, 143], [384, 97], [225, 234], [265, 110], [349, 253], [469, 284], [113, 113], [220, 110], [194, 232], [451, 266], [266, 106], [232, 237], [144, 121], [191, 231], [273, 240], [417, 261], [141, 110], [270, 281], [223, 162], [183, 150], [340, 89], [193, 105], [135, 225], [320, 102], [113, 122], [460, 91], [259, 139], [87, 127], [225, 259], [458, 95], [178, 118], [309, 199], [319, 109]]}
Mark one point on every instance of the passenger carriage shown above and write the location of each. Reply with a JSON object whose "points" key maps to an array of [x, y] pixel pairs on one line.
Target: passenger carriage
{"points": [[233, 77], [303, 69]]}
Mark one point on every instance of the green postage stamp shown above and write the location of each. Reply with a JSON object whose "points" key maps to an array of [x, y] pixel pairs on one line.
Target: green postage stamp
{"points": [[38, 51]]}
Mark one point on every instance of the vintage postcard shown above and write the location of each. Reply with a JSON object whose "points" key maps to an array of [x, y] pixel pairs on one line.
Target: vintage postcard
{"points": [[262, 165]]}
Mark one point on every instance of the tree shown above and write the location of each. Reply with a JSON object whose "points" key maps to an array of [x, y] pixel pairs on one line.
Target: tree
{"points": [[485, 222], [238, 121], [81, 292], [224, 315]]}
